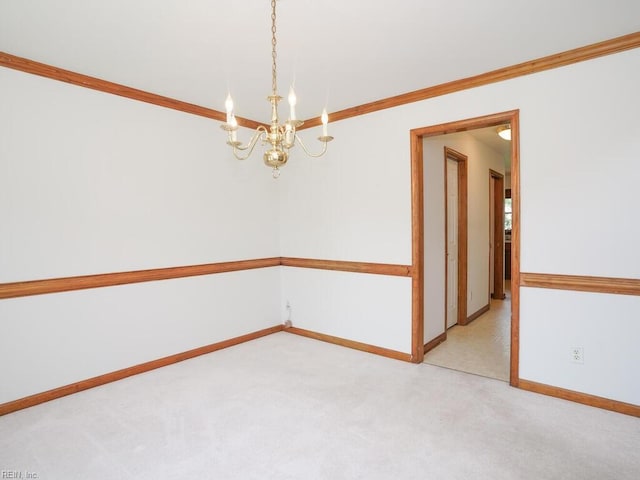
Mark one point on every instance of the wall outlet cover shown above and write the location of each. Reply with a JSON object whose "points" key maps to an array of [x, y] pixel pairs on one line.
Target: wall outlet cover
{"points": [[577, 354]]}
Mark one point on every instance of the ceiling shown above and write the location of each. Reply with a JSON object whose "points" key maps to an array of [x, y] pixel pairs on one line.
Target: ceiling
{"points": [[489, 136], [340, 53]]}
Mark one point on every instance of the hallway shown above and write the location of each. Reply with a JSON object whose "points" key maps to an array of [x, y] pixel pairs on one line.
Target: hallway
{"points": [[482, 347]]}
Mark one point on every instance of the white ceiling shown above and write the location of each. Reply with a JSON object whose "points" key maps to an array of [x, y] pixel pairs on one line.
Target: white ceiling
{"points": [[342, 53], [489, 136]]}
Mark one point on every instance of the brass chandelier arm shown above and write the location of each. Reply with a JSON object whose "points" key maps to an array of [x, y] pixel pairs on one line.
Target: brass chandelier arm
{"points": [[324, 141], [237, 147]]}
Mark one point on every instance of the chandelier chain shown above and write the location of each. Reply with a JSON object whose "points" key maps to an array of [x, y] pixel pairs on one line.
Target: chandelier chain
{"points": [[274, 81], [279, 136]]}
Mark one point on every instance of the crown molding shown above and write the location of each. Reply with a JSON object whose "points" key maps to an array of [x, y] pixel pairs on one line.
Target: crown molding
{"points": [[78, 79], [607, 47]]}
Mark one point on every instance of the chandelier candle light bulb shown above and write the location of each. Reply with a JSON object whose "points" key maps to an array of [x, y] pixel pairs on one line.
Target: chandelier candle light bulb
{"points": [[278, 137], [325, 121], [288, 132], [234, 126], [228, 105], [292, 104]]}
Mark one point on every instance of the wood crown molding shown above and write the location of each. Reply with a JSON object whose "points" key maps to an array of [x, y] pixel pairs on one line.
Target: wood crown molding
{"points": [[55, 73], [607, 47], [579, 397], [343, 342], [619, 286], [59, 392]]}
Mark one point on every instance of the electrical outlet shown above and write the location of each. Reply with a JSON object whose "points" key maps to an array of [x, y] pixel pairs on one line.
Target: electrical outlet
{"points": [[287, 322], [577, 355]]}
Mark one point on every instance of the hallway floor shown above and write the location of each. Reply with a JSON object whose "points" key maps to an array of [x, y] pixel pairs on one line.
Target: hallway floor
{"points": [[482, 347]]}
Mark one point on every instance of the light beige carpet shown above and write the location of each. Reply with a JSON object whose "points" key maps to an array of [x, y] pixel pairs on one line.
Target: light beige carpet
{"points": [[287, 407]]}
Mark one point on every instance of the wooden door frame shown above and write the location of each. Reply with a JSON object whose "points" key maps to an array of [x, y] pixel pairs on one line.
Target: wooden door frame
{"points": [[498, 232], [463, 228], [417, 227]]}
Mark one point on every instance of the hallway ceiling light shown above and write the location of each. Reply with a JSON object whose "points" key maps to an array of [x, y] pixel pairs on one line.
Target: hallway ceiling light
{"points": [[280, 137], [505, 132]]}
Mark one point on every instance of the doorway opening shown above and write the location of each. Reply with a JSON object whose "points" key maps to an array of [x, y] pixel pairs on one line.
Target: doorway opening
{"points": [[420, 340]]}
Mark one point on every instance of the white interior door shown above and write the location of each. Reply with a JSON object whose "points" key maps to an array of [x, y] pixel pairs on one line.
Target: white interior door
{"points": [[452, 242]]}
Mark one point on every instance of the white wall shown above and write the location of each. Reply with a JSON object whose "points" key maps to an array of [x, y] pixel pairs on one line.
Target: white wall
{"points": [[578, 125], [605, 326], [434, 237], [340, 303], [91, 183], [351, 203], [94, 183], [480, 159], [52, 340]]}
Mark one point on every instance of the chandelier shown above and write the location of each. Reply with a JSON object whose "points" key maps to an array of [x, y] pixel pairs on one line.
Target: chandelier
{"points": [[279, 137]]}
